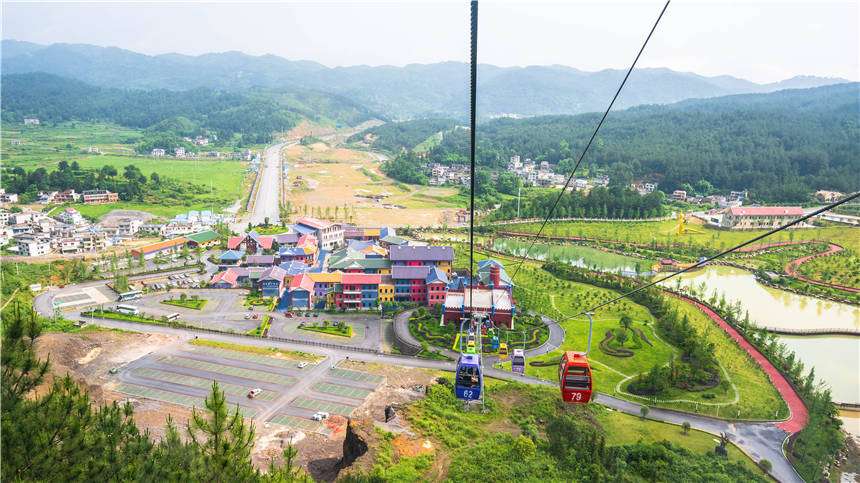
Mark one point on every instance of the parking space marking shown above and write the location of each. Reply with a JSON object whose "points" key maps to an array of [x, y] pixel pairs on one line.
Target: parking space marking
{"points": [[355, 375], [317, 405], [341, 390], [248, 357], [172, 397], [175, 378], [229, 370], [296, 423]]}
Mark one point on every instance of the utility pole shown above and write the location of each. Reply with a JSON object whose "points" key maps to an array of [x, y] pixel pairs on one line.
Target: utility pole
{"points": [[519, 191]]}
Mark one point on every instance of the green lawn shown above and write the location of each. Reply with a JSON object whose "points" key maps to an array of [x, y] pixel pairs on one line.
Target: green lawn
{"points": [[758, 399], [331, 330], [621, 428], [187, 303], [265, 351], [645, 232]]}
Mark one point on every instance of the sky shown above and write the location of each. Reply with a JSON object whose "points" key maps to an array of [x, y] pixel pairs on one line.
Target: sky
{"points": [[762, 41]]}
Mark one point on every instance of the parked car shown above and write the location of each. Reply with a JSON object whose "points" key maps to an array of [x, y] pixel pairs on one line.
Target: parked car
{"points": [[288, 315], [307, 314], [254, 392], [316, 314], [256, 316], [319, 416], [247, 316], [302, 364]]}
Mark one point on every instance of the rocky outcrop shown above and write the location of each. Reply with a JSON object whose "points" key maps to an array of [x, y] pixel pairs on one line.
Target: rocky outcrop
{"points": [[354, 444]]}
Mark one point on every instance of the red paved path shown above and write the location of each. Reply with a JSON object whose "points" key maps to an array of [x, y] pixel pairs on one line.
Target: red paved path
{"points": [[799, 416], [793, 265]]}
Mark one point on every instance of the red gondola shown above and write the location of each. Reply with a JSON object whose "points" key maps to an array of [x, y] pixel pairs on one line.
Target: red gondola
{"points": [[574, 377]]}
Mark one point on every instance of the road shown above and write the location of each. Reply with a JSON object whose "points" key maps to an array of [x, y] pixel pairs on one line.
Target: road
{"points": [[759, 440], [268, 193]]}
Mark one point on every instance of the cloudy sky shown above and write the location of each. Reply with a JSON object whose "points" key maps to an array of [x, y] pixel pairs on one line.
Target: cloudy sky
{"points": [[763, 41]]}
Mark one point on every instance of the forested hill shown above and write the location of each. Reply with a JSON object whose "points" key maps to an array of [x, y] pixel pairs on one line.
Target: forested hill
{"points": [[256, 113], [781, 145], [408, 92]]}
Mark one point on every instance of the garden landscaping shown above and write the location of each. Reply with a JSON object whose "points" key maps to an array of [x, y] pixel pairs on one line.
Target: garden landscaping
{"points": [[192, 302], [341, 329]]}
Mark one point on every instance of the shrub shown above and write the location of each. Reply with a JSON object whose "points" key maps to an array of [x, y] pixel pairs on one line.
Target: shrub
{"points": [[765, 465]]}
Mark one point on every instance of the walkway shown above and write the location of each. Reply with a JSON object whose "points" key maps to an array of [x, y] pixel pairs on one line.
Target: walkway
{"points": [[794, 265], [799, 416]]}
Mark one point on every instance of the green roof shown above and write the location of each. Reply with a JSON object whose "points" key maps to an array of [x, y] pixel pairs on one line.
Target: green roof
{"points": [[203, 236]]}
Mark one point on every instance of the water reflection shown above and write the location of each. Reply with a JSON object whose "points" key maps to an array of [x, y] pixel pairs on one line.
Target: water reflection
{"points": [[836, 361], [577, 255], [771, 307]]}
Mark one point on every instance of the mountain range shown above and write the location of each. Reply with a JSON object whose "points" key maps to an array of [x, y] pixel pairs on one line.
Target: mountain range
{"points": [[409, 92]]}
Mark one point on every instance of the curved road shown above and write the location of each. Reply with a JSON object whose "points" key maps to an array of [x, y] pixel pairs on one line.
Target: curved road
{"points": [[759, 440]]}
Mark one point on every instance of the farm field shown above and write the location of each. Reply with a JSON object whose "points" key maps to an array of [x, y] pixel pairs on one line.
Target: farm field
{"points": [[660, 231], [45, 147], [334, 178]]}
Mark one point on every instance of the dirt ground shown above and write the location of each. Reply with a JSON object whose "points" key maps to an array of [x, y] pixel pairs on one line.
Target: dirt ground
{"points": [[89, 356], [113, 216], [336, 177]]}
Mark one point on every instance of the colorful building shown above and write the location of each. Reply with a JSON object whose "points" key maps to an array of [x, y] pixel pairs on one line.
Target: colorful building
{"points": [[271, 282], [166, 246], [360, 291], [422, 256], [410, 283], [301, 292]]}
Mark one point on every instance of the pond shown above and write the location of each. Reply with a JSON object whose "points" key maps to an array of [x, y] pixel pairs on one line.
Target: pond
{"points": [[836, 360], [579, 256], [770, 307]]}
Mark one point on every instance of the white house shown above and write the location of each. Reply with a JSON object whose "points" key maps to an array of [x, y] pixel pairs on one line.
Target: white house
{"points": [[157, 152], [30, 245]]}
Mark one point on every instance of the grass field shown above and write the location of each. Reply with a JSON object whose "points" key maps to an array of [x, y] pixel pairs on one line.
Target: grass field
{"points": [[623, 428], [841, 268], [646, 231], [264, 351], [47, 146]]}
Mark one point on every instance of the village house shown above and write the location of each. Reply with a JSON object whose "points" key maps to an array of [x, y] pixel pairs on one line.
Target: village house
{"points": [[760, 217], [96, 197]]}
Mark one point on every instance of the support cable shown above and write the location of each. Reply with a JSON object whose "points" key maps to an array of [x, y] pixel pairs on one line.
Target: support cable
{"points": [[718, 255], [588, 145], [473, 86]]}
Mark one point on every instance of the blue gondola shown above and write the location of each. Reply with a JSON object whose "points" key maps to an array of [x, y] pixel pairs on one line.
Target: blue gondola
{"points": [[467, 384], [495, 342]]}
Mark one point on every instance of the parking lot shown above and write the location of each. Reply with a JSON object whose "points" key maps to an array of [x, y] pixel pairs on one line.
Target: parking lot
{"points": [[290, 392]]}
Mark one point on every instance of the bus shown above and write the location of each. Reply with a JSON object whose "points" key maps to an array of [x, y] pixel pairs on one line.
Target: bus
{"points": [[130, 295], [172, 316], [127, 309]]}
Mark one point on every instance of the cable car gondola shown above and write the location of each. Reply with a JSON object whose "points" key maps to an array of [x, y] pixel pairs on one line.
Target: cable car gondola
{"points": [[467, 384], [495, 342], [503, 351], [518, 361], [574, 373]]}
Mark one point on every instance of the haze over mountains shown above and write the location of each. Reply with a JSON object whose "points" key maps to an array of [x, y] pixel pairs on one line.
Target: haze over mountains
{"points": [[412, 91]]}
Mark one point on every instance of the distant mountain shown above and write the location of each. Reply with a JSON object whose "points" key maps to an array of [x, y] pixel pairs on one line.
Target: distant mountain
{"points": [[412, 91], [255, 112]]}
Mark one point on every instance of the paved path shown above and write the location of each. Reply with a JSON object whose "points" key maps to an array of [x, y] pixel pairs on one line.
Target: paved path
{"points": [[799, 416], [794, 265]]}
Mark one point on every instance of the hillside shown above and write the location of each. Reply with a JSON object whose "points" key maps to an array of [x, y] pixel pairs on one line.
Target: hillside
{"points": [[412, 91], [781, 146], [257, 113]]}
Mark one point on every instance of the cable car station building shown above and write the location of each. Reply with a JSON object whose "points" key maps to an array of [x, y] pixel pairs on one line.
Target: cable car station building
{"points": [[491, 295]]}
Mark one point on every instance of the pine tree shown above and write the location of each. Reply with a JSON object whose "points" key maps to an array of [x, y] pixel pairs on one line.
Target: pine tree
{"points": [[224, 440]]}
